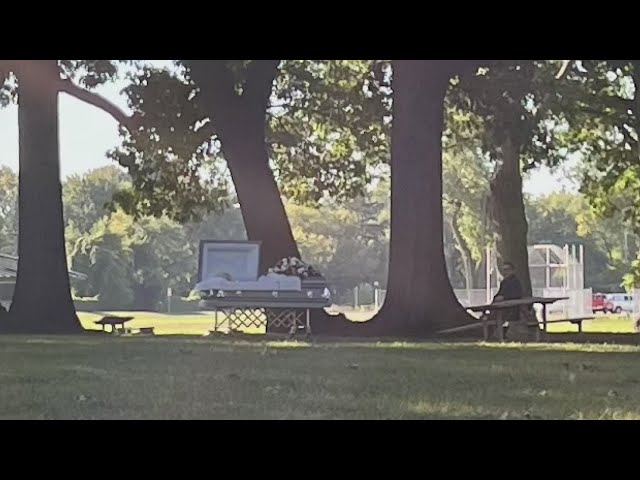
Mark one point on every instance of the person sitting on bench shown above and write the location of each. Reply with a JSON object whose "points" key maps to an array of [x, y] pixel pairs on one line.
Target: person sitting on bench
{"points": [[510, 289]]}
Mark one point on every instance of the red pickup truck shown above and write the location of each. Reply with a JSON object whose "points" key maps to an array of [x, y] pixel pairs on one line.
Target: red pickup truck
{"points": [[599, 303]]}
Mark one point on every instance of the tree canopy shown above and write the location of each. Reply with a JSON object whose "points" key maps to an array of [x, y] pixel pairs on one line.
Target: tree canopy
{"points": [[324, 125]]}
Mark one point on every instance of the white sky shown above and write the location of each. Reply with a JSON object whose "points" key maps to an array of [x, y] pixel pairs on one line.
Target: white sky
{"points": [[87, 133]]}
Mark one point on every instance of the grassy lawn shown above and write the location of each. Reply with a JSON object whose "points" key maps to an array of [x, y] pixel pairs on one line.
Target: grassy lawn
{"points": [[201, 323], [105, 377], [602, 323], [178, 324]]}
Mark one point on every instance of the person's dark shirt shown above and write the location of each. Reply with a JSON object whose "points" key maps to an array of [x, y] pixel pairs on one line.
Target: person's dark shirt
{"points": [[510, 288]]}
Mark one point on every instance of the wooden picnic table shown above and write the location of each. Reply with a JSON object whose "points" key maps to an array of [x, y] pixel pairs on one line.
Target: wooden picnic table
{"points": [[499, 308], [113, 321]]}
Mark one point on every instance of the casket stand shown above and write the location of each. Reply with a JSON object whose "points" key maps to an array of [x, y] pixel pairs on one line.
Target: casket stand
{"points": [[247, 300], [278, 308]]}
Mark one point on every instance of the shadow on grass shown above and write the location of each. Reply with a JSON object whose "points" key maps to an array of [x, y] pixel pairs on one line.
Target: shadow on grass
{"points": [[104, 376], [253, 341]]}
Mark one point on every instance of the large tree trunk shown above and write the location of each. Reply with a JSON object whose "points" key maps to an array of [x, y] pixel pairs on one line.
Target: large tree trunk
{"points": [[263, 212], [419, 299], [240, 121], [507, 210], [42, 300], [241, 126]]}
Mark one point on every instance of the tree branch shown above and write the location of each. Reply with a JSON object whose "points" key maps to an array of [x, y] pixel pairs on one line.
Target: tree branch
{"points": [[595, 112], [45, 75], [68, 87], [563, 69]]}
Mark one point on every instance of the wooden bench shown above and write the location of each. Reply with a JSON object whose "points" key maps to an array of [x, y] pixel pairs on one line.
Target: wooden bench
{"points": [[140, 330], [471, 326], [497, 308], [574, 321]]}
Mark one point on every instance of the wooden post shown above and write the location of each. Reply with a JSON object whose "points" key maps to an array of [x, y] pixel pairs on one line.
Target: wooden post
{"points": [[574, 270], [547, 282], [488, 273], [499, 331], [376, 295]]}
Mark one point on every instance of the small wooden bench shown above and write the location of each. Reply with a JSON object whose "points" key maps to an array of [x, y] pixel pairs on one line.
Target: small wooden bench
{"points": [[139, 330], [117, 325], [471, 326], [574, 321]]}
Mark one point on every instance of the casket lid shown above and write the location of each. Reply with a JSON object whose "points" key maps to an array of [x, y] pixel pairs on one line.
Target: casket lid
{"points": [[239, 259]]}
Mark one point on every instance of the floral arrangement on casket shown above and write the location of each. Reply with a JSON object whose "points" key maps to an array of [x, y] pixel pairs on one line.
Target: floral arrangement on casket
{"points": [[294, 267]]}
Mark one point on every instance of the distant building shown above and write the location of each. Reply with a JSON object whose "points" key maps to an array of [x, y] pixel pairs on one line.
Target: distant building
{"points": [[8, 273]]}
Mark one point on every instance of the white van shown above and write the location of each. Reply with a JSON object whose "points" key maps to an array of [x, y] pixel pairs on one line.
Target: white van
{"points": [[619, 302]]}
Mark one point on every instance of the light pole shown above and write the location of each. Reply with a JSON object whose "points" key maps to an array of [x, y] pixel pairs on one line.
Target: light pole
{"points": [[376, 298]]}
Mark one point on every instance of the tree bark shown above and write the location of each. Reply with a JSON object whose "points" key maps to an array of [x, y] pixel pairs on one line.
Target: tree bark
{"points": [[42, 300], [419, 299], [241, 124], [635, 106], [263, 212], [507, 210]]}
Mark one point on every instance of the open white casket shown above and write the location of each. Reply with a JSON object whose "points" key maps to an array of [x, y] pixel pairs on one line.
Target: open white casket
{"points": [[228, 279]]}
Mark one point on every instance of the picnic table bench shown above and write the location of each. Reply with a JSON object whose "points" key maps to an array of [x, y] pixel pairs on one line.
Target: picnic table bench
{"points": [[520, 303], [574, 321], [146, 330], [114, 321], [500, 307]]}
